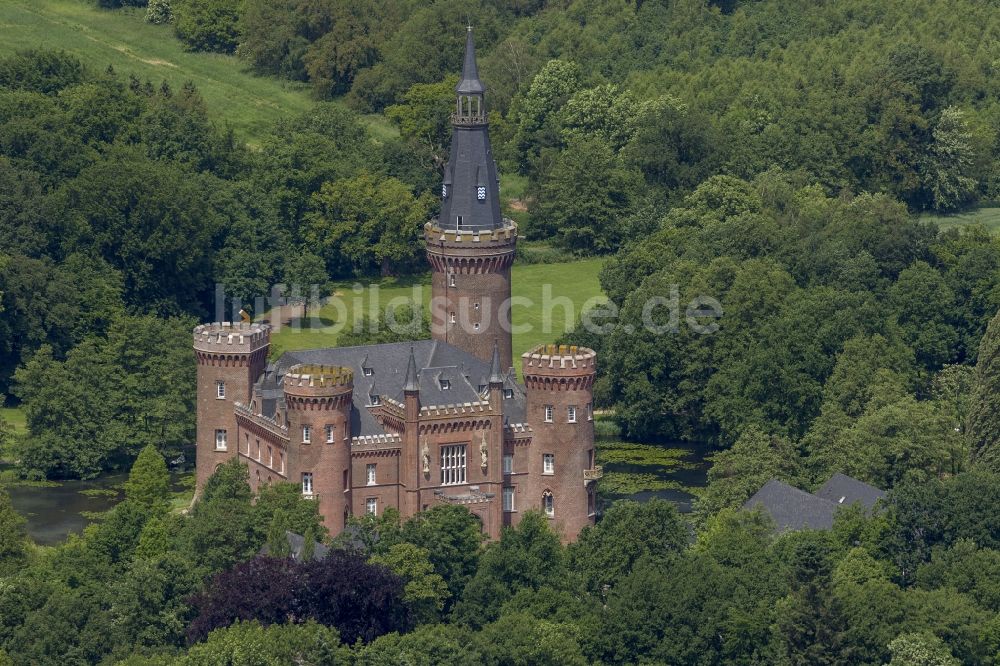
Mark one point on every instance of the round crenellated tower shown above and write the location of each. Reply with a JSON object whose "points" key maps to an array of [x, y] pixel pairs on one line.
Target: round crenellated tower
{"points": [[471, 288], [231, 357], [561, 481], [318, 400]]}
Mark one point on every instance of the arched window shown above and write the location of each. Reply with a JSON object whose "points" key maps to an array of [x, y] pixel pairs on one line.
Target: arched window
{"points": [[548, 504]]}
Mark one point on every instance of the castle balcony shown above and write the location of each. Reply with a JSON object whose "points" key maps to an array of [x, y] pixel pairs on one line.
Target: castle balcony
{"points": [[592, 475]]}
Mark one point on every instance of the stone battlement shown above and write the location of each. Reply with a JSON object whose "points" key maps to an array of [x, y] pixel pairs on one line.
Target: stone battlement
{"points": [[231, 337], [502, 237], [318, 376], [563, 357]]}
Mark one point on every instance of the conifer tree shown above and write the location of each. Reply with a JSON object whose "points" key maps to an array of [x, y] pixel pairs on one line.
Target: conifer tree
{"points": [[984, 412], [149, 481], [277, 540], [309, 544]]}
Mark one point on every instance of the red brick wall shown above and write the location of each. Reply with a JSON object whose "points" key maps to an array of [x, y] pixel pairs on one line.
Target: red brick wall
{"points": [[239, 366], [571, 444]]}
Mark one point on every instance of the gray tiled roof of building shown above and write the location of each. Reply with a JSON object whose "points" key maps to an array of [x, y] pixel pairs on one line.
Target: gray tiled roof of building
{"points": [[387, 363], [794, 509], [842, 489], [791, 508]]}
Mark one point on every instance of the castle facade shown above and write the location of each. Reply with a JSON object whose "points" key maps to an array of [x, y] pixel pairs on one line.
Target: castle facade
{"points": [[412, 425]]}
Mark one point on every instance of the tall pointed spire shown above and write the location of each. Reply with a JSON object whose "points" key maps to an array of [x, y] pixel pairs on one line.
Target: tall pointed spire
{"points": [[496, 370], [411, 383], [470, 83]]}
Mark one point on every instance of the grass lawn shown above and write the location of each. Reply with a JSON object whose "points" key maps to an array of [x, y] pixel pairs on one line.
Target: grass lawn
{"points": [[988, 217], [567, 286], [122, 38], [13, 416]]}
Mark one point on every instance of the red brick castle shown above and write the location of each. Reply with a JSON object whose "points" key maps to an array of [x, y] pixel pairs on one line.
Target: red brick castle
{"points": [[412, 425]]}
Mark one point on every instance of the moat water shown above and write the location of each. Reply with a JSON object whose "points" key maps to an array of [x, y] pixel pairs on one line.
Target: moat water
{"points": [[54, 512]]}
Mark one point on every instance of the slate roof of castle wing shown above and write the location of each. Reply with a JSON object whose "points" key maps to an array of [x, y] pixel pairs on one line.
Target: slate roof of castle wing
{"points": [[387, 364]]}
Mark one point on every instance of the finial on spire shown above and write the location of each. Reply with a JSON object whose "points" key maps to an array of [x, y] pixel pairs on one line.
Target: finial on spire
{"points": [[411, 383], [470, 83], [496, 373]]}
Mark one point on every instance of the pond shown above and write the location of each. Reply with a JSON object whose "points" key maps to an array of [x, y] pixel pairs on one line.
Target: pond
{"points": [[55, 511], [669, 470]]}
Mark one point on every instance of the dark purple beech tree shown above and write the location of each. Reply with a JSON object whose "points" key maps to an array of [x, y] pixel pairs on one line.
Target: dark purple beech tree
{"points": [[363, 601], [263, 589]]}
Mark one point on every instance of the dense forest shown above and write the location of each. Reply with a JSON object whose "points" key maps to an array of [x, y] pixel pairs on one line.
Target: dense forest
{"points": [[772, 155]]}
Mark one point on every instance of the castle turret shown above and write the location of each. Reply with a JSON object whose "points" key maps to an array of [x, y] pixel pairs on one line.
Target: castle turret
{"points": [[471, 246], [231, 356], [559, 382], [318, 401]]}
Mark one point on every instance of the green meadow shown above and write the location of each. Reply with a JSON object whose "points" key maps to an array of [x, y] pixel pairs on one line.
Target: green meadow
{"points": [[988, 217], [15, 417], [122, 39], [567, 286]]}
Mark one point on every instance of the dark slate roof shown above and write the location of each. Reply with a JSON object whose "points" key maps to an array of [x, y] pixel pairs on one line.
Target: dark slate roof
{"points": [[434, 360], [842, 489], [791, 508], [794, 509], [471, 166], [470, 83], [296, 542]]}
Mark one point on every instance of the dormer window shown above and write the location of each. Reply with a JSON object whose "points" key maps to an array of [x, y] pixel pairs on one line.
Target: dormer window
{"points": [[444, 191], [481, 192], [368, 371], [508, 393], [482, 388], [445, 384], [458, 221], [374, 399]]}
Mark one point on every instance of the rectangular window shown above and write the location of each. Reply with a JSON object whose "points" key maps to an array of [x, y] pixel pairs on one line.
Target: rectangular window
{"points": [[451, 317], [445, 384], [451, 280], [548, 413], [307, 484], [371, 506], [374, 400], [258, 450], [370, 470], [508, 393], [270, 457], [590, 411], [281, 459], [453, 464], [508, 463], [548, 505], [220, 440], [549, 463], [571, 414], [368, 371], [508, 498], [220, 390], [329, 434]]}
